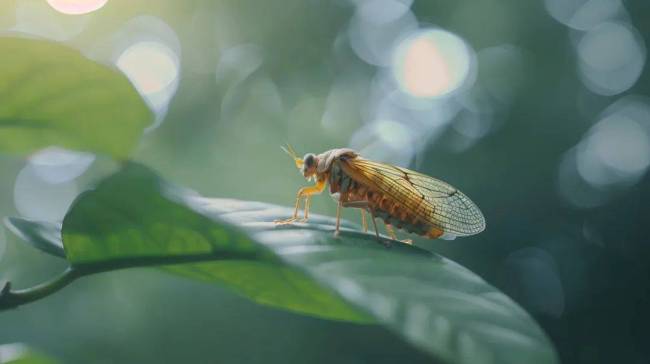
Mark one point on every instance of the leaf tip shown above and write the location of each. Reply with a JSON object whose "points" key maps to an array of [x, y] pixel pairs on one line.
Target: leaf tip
{"points": [[5, 287]]}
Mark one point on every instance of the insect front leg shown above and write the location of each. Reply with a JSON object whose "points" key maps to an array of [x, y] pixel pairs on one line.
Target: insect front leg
{"points": [[305, 192], [307, 205]]}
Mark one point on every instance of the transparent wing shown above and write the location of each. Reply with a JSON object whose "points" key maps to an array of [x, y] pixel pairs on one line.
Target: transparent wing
{"points": [[432, 200]]}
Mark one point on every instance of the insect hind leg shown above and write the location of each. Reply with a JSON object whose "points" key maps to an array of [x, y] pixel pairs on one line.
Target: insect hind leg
{"points": [[365, 205], [362, 205], [391, 233]]}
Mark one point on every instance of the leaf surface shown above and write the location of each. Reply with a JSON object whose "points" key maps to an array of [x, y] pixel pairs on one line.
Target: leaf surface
{"points": [[54, 96], [431, 302]]}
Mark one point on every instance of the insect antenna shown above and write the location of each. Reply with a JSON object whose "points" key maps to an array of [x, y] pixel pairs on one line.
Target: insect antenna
{"points": [[292, 153]]}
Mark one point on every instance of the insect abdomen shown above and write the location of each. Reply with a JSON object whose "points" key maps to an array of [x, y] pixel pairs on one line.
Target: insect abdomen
{"points": [[394, 214], [379, 204]]}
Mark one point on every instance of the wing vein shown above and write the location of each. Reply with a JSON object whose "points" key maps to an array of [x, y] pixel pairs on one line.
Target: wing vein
{"points": [[435, 202]]}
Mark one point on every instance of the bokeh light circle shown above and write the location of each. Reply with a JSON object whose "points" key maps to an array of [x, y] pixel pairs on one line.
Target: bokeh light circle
{"points": [[611, 157], [385, 140], [611, 58], [13, 352], [377, 27], [58, 165], [76, 7], [617, 149], [583, 14], [432, 63], [39, 19], [151, 66], [38, 199]]}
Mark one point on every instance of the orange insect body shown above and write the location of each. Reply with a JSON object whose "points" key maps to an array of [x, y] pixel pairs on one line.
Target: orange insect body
{"points": [[403, 198], [379, 203]]}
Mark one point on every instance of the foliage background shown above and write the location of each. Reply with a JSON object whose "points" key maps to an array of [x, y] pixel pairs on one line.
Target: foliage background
{"points": [[578, 264]]}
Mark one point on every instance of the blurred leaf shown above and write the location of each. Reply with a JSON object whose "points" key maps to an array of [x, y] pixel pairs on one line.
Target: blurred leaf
{"points": [[44, 236], [134, 215], [5, 286], [431, 302], [53, 95], [22, 354]]}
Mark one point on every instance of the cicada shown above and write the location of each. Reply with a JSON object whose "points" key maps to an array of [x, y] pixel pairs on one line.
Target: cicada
{"points": [[402, 198]]}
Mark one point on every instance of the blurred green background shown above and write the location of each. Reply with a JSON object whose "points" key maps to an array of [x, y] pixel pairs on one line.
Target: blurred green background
{"points": [[535, 109]]}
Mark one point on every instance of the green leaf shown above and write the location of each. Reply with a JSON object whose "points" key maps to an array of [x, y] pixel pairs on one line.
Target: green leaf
{"points": [[133, 218], [53, 95]]}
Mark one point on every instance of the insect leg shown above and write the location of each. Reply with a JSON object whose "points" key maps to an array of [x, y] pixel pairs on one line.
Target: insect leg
{"points": [[303, 192], [338, 218], [391, 231], [372, 216], [363, 205], [297, 207], [307, 205]]}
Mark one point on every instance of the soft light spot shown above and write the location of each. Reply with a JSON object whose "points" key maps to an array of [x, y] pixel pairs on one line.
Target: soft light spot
{"points": [[623, 145], [153, 69], [12, 352], [58, 165], [618, 149], [471, 126], [573, 188], [36, 198], [376, 28], [432, 63], [383, 11], [385, 140], [395, 135], [37, 18], [76, 7], [612, 156], [611, 58], [425, 71], [243, 100], [147, 50], [583, 14], [238, 62], [151, 66]]}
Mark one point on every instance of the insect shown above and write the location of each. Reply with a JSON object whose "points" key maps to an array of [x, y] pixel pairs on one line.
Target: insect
{"points": [[402, 198]]}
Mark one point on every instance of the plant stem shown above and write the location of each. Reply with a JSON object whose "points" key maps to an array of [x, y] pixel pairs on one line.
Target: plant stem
{"points": [[13, 298], [10, 298]]}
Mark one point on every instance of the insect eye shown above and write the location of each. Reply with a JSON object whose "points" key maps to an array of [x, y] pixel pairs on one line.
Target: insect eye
{"points": [[309, 160]]}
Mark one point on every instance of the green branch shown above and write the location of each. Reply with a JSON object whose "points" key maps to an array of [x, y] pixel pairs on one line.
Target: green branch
{"points": [[13, 298]]}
